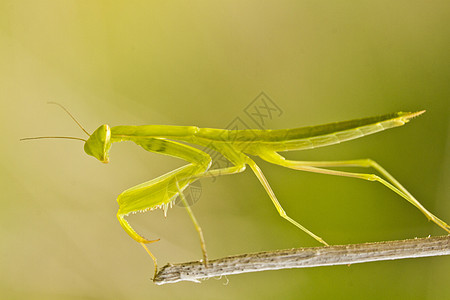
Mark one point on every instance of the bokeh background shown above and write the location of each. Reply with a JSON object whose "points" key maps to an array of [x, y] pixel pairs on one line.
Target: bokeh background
{"points": [[201, 63]]}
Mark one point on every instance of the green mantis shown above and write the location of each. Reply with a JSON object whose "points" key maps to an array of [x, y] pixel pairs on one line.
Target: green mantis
{"points": [[237, 146]]}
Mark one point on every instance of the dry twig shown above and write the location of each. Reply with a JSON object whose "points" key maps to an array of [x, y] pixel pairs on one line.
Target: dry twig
{"points": [[305, 257]]}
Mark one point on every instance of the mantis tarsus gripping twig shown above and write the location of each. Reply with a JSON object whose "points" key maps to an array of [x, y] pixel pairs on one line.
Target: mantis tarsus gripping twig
{"points": [[236, 146]]}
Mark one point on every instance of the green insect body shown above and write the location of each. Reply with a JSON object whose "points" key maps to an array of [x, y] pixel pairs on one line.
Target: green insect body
{"points": [[236, 146]]}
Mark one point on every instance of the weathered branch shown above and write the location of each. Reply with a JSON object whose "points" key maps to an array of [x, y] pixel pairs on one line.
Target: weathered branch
{"points": [[305, 257]]}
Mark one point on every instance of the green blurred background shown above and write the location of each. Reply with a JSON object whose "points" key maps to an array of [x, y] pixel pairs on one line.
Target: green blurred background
{"points": [[201, 63]]}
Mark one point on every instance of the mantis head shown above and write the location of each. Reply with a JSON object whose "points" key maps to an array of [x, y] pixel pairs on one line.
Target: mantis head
{"points": [[99, 143]]}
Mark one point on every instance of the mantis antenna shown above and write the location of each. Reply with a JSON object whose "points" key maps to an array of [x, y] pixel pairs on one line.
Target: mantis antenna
{"points": [[53, 137], [73, 118], [60, 137]]}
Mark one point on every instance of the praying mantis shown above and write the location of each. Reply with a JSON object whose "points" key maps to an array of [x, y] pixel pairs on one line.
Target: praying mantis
{"points": [[237, 146]]}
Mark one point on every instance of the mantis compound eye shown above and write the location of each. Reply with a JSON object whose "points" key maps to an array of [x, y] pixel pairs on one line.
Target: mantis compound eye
{"points": [[99, 143]]}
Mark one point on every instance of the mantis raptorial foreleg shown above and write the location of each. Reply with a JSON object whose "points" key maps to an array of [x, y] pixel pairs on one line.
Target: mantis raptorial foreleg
{"points": [[173, 183], [277, 204], [162, 191], [390, 182], [156, 193], [155, 263]]}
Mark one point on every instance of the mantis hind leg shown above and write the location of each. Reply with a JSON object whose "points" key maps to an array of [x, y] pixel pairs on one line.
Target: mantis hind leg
{"points": [[277, 204], [389, 181]]}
